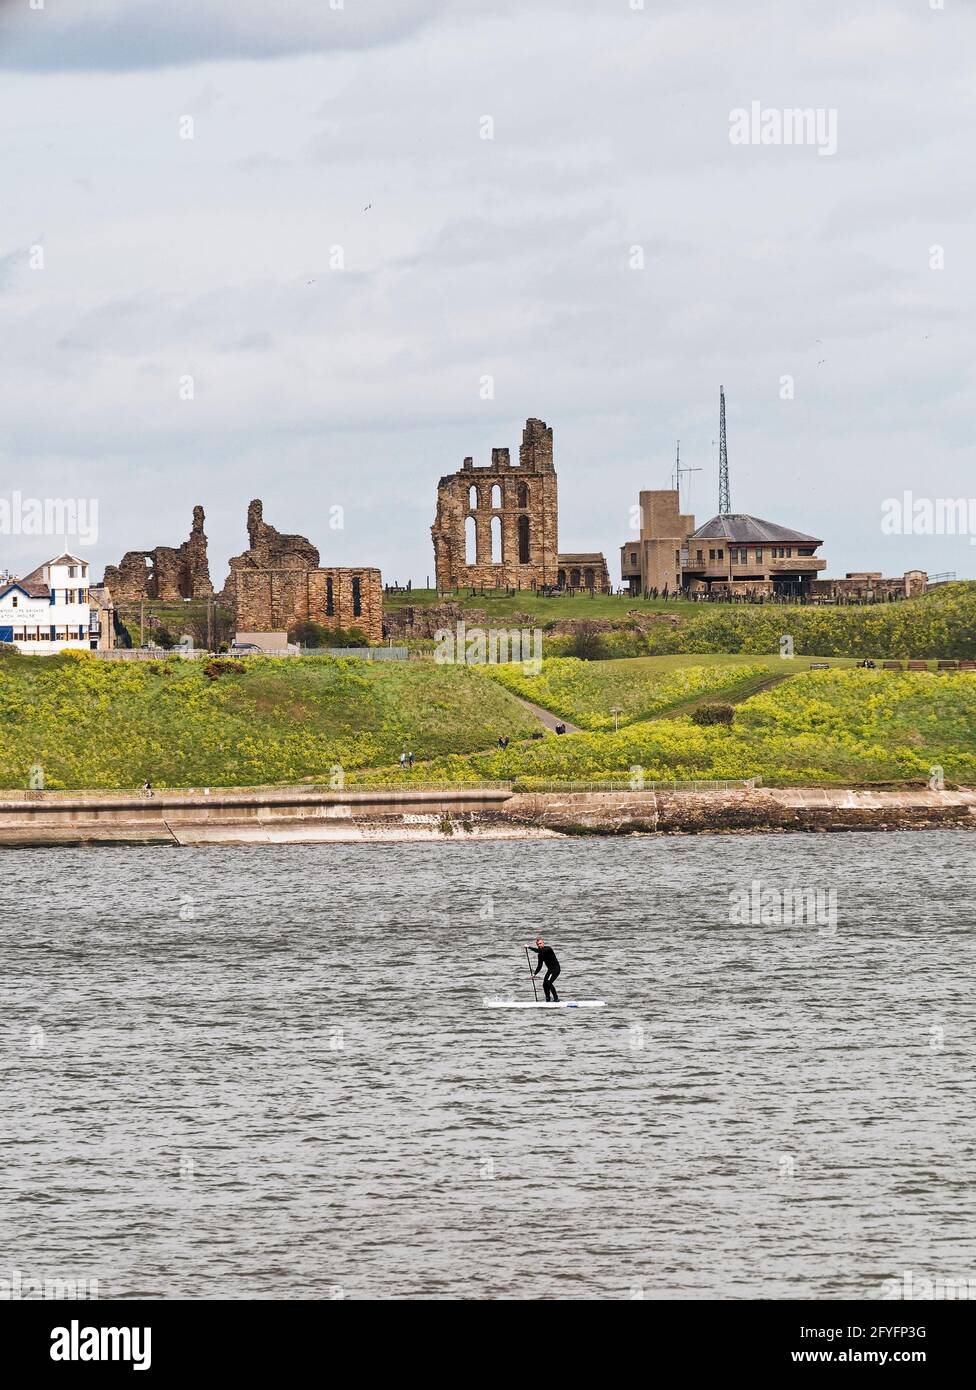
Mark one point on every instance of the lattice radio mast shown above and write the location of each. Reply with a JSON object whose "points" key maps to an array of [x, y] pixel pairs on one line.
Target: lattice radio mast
{"points": [[724, 504]]}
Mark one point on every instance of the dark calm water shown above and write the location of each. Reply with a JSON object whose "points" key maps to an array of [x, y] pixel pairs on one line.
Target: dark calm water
{"points": [[267, 1072]]}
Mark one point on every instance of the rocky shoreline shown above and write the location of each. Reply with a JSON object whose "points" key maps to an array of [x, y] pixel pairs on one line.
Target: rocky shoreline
{"points": [[302, 815]]}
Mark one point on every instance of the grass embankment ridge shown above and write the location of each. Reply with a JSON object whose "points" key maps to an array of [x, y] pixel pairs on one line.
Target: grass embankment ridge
{"points": [[586, 693], [96, 724], [817, 728], [93, 724], [939, 624]]}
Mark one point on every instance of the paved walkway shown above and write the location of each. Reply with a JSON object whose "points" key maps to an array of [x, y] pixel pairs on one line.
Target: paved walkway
{"points": [[547, 717]]}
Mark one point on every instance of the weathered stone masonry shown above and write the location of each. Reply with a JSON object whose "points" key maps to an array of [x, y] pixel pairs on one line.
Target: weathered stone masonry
{"points": [[513, 509], [514, 514], [271, 549], [275, 600], [165, 572], [278, 582], [272, 585]]}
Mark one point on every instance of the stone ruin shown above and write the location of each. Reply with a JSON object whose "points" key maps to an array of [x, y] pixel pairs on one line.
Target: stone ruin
{"points": [[274, 584], [278, 582], [269, 549], [164, 572], [510, 513], [496, 525]]}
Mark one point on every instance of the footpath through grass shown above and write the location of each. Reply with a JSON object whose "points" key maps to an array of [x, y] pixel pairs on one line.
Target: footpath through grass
{"points": [[96, 724], [587, 692], [817, 728]]}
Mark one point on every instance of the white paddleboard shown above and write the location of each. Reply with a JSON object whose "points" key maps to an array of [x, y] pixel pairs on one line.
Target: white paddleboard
{"points": [[539, 1004]]}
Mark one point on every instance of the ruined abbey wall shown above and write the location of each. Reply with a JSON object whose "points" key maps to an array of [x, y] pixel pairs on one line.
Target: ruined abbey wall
{"points": [[269, 549], [274, 600], [520, 549], [278, 582], [165, 572]]}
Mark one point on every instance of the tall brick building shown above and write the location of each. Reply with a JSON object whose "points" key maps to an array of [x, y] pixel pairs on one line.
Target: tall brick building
{"points": [[497, 524]]}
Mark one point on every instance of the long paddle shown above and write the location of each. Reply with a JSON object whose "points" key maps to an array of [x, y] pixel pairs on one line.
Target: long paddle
{"points": [[535, 992]]}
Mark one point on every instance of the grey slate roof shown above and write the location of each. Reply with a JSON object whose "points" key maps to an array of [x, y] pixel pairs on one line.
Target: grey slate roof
{"points": [[740, 528], [27, 586]]}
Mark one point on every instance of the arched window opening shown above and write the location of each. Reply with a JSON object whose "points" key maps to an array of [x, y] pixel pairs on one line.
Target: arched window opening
{"points": [[496, 495], [496, 539], [523, 540], [329, 598], [523, 495], [357, 598], [574, 579], [470, 542], [473, 497]]}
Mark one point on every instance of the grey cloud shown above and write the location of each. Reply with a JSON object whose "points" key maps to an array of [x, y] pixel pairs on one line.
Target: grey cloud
{"points": [[123, 35], [507, 258]]}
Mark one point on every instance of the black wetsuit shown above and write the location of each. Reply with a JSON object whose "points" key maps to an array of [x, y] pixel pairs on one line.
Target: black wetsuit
{"points": [[547, 958]]}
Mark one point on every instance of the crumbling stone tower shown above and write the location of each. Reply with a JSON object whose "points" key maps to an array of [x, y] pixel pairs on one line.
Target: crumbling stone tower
{"points": [[167, 573], [496, 525], [271, 549]]}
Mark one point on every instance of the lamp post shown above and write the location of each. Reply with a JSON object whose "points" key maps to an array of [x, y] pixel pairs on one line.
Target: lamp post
{"points": [[615, 712]]}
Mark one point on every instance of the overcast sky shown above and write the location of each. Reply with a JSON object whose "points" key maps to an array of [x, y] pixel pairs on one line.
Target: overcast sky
{"points": [[510, 258]]}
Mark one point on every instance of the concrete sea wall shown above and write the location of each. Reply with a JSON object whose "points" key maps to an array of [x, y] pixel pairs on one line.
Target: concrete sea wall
{"points": [[742, 809], [312, 815]]}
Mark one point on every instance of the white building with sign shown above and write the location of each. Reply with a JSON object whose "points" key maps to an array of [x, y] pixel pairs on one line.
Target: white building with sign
{"points": [[49, 610]]}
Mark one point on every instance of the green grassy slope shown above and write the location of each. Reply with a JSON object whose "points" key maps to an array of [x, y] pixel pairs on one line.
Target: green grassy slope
{"points": [[938, 624], [586, 692], [814, 728], [555, 608], [99, 724]]}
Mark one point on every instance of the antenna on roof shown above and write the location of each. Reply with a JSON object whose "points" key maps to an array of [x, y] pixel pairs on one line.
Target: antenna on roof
{"points": [[724, 505], [679, 469]]}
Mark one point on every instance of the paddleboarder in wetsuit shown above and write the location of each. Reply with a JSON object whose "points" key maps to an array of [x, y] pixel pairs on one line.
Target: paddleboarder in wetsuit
{"points": [[547, 958]]}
